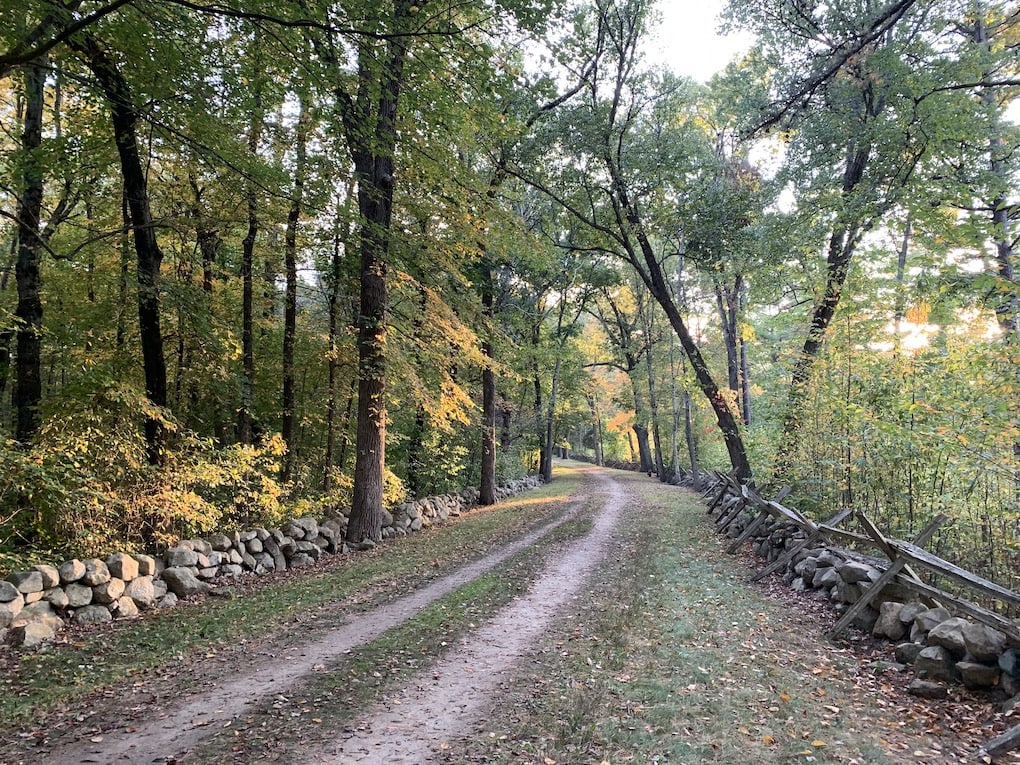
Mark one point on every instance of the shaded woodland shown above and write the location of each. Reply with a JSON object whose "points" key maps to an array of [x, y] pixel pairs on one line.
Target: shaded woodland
{"points": [[265, 259]]}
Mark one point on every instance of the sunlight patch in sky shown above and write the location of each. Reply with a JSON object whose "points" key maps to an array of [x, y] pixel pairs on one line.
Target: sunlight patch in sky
{"points": [[688, 40]]}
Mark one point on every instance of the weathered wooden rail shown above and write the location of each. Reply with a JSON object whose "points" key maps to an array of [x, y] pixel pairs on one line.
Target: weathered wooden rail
{"points": [[733, 499]]}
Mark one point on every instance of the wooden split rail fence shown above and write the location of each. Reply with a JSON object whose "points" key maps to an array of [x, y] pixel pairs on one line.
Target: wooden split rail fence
{"points": [[734, 499]]}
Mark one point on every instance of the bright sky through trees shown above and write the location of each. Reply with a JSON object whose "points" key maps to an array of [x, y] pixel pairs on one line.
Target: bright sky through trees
{"points": [[689, 41]]}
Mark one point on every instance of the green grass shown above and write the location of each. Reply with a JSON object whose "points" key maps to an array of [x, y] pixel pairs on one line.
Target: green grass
{"points": [[35, 682], [675, 659]]}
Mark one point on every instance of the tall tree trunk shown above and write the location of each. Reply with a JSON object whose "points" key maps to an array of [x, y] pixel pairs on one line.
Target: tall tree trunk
{"points": [[28, 377], [643, 258], [290, 300], [487, 482], [725, 305], [536, 384], [371, 130], [596, 423], [842, 244], [149, 257], [245, 428], [341, 235], [653, 399], [640, 426], [550, 423], [1007, 310], [745, 366], [124, 277]]}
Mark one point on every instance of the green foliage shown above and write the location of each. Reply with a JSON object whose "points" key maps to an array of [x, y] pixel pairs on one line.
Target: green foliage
{"points": [[85, 487]]}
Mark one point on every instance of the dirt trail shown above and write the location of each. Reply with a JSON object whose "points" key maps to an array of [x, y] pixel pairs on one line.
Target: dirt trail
{"points": [[442, 701], [179, 730]]}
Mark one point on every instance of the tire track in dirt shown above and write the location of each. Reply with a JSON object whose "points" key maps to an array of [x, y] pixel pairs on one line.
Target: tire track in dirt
{"points": [[443, 701], [177, 731]]}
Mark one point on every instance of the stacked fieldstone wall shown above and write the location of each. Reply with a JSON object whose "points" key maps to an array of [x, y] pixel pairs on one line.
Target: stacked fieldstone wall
{"points": [[941, 649], [36, 604]]}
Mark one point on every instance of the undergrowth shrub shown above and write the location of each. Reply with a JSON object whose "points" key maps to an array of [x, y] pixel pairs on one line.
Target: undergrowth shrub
{"points": [[86, 487]]}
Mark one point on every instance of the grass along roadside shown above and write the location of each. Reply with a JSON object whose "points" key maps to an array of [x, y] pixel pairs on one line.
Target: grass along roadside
{"points": [[673, 658], [55, 679]]}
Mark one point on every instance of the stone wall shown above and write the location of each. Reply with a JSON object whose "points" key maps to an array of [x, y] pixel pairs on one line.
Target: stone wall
{"points": [[935, 647], [35, 604]]}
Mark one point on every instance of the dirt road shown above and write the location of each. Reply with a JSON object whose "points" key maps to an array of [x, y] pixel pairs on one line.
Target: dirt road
{"points": [[606, 627], [432, 708]]}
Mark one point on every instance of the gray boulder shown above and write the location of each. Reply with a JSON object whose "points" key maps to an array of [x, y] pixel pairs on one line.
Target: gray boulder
{"points": [[125, 607], [141, 591], [828, 558], [806, 569], [78, 595], [910, 611], [71, 571], [273, 548], [147, 565], [57, 598], [976, 676], [866, 619], [33, 634], [889, 624], [200, 546], [107, 592], [8, 592], [41, 612], [935, 663], [1009, 662], [26, 581], [180, 556], [846, 592], [50, 575], [310, 526], [96, 572], [854, 571], [220, 542], [925, 689], [9, 610], [906, 653], [299, 560], [183, 583], [930, 618], [825, 578], [984, 643], [122, 566], [93, 615], [949, 635], [169, 600]]}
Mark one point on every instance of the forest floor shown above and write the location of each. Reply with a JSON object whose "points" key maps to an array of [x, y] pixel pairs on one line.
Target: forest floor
{"points": [[596, 620]]}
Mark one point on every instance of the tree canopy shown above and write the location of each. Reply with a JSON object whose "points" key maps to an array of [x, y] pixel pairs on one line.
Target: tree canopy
{"points": [[264, 259]]}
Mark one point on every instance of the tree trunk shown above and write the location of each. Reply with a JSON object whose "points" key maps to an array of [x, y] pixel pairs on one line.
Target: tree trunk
{"points": [[143, 228], [245, 428], [653, 400], [640, 426], [550, 422], [367, 504], [745, 366], [596, 422], [290, 300], [644, 450], [372, 138], [487, 482], [28, 377], [842, 245], [650, 271]]}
